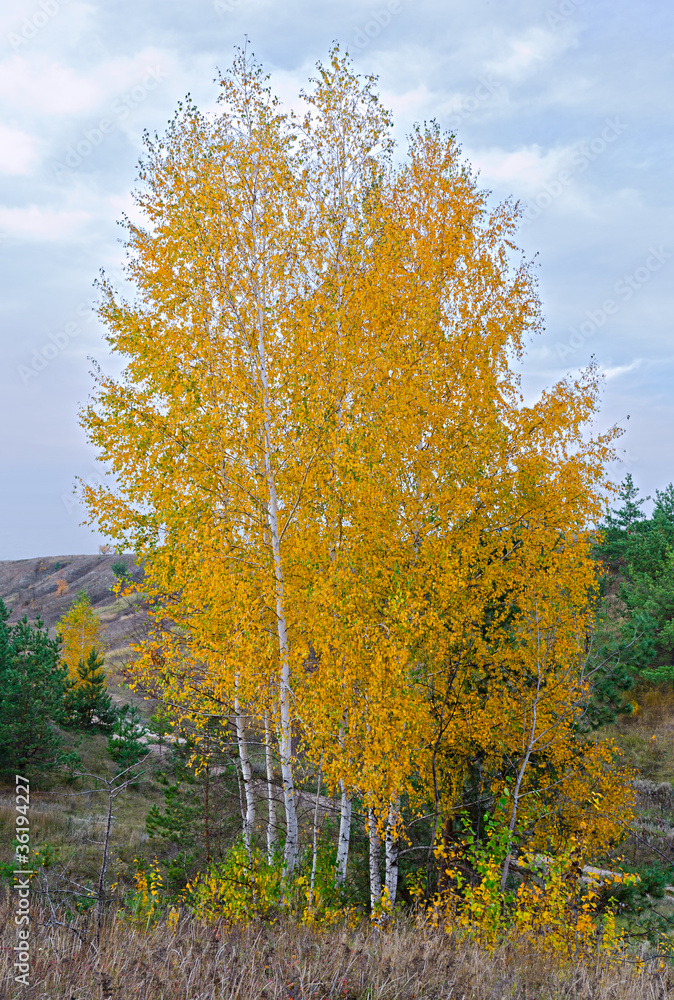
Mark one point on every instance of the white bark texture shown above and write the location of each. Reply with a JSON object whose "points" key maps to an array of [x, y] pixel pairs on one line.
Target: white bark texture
{"points": [[247, 775], [392, 851], [344, 835], [272, 829], [285, 735], [314, 846], [528, 749], [375, 852]]}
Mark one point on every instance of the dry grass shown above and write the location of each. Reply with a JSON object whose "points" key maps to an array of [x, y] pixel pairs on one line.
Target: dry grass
{"points": [[286, 962], [71, 822], [647, 738]]}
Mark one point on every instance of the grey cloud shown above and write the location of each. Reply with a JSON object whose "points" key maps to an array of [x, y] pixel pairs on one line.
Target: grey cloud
{"points": [[506, 77]]}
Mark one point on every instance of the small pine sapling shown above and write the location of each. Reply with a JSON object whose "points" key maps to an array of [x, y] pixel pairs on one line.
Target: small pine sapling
{"points": [[120, 569], [87, 704], [127, 740]]}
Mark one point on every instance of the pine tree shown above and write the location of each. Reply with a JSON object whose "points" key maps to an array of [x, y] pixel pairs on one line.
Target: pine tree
{"points": [[638, 556], [626, 516], [32, 685], [120, 569], [126, 742], [87, 705]]}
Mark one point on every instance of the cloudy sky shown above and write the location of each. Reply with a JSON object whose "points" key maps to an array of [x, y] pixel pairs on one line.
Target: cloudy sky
{"points": [[564, 104]]}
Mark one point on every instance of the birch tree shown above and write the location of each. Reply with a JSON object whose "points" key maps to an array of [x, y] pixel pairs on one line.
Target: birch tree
{"points": [[80, 631], [221, 433], [197, 430], [322, 454], [246, 771]]}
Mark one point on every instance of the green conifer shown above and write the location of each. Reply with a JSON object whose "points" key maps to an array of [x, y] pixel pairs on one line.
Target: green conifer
{"points": [[127, 742], [87, 704], [32, 685]]}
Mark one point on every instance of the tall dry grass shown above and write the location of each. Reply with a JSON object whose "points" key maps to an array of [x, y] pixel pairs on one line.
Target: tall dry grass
{"points": [[195, 961]]}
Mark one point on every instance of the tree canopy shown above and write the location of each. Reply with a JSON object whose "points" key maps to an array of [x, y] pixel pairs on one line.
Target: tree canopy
{"points": [[79, 631], [356, 533]]}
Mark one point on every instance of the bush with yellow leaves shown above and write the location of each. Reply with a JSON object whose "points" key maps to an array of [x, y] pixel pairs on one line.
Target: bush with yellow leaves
{"points": [[245, 886], [147, 902], [556, 907]]}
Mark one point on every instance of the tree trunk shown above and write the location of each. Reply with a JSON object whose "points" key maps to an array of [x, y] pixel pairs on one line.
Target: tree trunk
{"points": [[525, 761], [104, 865], [272, 829], [344, 836], [443, 878], [513, 819], [207, 832], [285, 734], [392, 851], [247, 774], [375, 848], [314, 846]]}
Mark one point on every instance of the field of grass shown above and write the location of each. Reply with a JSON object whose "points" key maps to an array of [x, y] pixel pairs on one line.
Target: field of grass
{"points": [[67, 817], [263, 961]]}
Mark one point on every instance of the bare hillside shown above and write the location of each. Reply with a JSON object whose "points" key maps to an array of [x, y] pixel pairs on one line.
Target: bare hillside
{"points": [[46, 587]]}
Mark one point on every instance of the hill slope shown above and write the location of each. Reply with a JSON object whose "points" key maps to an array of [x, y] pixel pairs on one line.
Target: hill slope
{"points": [[46, 587]]}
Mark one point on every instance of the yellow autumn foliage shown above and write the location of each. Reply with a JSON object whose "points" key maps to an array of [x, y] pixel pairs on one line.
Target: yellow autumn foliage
{"points": [[351, 522], [80, 631]]}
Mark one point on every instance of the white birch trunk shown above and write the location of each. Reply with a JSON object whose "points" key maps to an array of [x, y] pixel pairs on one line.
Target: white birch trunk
{"points": [[392, 851], [314, 846], [375, 850], [344, 835], [247, 775], [285, 735], [528, 749], [272, 829]]}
